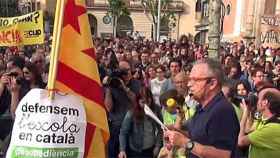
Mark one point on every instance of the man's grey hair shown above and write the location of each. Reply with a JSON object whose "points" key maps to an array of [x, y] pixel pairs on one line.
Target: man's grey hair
{"points": [[215, 69]]}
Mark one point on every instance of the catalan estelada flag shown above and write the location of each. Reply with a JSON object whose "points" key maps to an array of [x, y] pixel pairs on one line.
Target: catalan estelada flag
{"points": [[77, 73]]}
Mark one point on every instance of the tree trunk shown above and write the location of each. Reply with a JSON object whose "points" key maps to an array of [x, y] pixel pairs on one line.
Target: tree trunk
{"points": [[114, 26], [155, 31], [214, 29]]}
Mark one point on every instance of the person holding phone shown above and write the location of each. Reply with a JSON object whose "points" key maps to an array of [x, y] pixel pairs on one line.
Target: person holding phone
{"points": [[264, 141]]}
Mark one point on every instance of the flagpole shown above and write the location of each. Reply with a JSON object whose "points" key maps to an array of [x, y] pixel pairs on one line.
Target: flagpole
{"points": [[55, 47]]}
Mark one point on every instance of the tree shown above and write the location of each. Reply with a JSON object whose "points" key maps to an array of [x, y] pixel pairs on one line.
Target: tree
{"points": [[166, 16], [117, 8], [214, 34]]}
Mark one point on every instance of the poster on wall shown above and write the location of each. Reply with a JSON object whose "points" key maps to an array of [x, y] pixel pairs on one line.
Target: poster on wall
{"points": [[45, 128], [270, 31]]}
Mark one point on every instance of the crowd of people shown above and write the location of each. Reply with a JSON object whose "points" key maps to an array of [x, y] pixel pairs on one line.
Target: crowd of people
{"points": [[228, 107]]}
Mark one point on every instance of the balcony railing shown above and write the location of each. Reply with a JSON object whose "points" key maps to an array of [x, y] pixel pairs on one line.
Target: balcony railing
{"points": [[177, 6]]}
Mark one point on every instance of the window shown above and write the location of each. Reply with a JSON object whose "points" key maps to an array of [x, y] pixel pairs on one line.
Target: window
{"points": [[228, 9], [205, 10], [198, 6]]}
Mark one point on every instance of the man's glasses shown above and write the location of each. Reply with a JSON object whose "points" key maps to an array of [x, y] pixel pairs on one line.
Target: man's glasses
{"points": [[197, 79]]}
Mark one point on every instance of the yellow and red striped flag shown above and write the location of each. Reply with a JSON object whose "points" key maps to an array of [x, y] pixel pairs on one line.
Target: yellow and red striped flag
{"points": [[77, 73]]}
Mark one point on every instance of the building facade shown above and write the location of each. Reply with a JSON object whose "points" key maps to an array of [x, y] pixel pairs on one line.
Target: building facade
{"points": [[266, 23], [186, 19], [252, 20], [231, 21], [139, 20]]}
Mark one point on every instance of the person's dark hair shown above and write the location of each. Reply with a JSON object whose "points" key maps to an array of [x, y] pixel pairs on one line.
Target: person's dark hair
{"points": [[146, 51], [235, 64], [37, 76], [113, 63], [244, 83], [215, 68], [17, 61], [175, 60], [257, 69], [274, 102], [187, 67], [227, 55], [146, 95], [277, 62], [139, 71], [184, 41], [160, 67], [237, 99], [231, 93]]}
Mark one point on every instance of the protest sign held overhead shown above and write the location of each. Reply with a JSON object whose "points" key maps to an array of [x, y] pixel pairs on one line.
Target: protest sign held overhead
{"points": [[22, 30], [47, 128]]}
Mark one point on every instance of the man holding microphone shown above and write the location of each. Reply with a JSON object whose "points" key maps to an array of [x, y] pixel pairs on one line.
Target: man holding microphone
{"points": [[213, 130]]}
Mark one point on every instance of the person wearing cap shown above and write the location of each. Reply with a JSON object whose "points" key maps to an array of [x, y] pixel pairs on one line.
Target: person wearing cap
{"points": [[264, 141]]}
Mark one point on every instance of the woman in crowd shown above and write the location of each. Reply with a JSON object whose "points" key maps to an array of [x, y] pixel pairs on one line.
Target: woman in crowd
{"points": [[140, 136], [150, 74], [137, 74], [157, 83], [32, 75], [240, 91]]}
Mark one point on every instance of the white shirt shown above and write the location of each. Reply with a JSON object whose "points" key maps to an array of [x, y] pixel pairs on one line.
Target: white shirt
{"points": [[156, 88]]}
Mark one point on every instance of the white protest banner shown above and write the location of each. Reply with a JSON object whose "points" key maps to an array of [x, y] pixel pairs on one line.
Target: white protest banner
{"points": [[45, 128]]}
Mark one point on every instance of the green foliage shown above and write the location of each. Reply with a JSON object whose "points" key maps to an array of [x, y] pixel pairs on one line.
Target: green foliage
{"points": [[166, 14], [117, 8]]}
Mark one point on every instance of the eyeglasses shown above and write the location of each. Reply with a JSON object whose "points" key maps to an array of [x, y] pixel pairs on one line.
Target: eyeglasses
{"points": [[179, 82], [197, 79]]}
